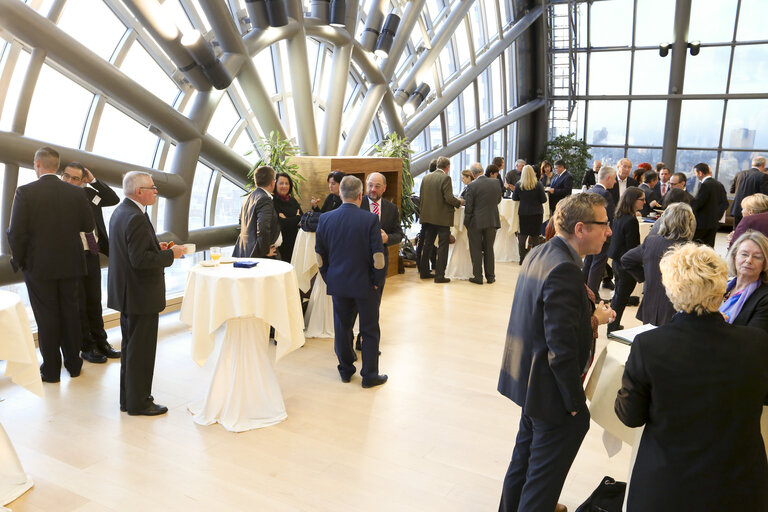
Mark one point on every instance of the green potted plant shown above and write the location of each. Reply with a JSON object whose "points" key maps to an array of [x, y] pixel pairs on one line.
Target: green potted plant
{"points": [[276, 152], [575, 153], [395, 146]]}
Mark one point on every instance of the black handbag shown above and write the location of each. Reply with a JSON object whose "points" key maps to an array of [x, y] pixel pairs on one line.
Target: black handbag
{"points": [[608, 497], [309, 220]]}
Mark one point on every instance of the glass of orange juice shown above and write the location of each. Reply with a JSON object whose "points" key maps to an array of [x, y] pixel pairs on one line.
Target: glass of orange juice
{"points": [[215, 254]]}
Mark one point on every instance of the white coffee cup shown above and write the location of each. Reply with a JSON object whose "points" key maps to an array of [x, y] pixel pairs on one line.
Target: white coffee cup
{"points": [[189, 248]]}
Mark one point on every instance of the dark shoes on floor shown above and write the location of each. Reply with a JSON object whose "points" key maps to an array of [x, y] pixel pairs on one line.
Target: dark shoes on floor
{"points": [[490, 280], [427, 276], [476, 281], [442, 280], [374, 381], [152, 409], [107, 350], [45, 379], [93, 356]]}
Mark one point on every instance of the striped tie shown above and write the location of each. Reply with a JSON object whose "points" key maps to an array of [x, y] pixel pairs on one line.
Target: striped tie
{"points": [[375, 207]]}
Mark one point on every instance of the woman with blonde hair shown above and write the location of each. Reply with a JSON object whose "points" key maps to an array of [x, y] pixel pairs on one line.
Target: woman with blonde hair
{"points": [[530, 193], [676, 226], [754, 209], [699, 386], [746, 297]]}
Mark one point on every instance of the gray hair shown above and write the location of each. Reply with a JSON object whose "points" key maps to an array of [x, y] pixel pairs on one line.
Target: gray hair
{"points": [[604, 172], [758, 161], [477, 169], [758, 239], [677, 222], [574, 209], [350, 188], [132, 181], [519, 161]]}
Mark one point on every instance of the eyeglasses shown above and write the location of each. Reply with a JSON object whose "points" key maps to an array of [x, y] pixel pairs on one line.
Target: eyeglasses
{"points": [[153, 187], [69, 177], [599, 222]]}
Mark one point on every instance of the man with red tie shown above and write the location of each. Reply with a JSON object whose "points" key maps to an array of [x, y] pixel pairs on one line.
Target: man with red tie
{"points": [[664, 184]]}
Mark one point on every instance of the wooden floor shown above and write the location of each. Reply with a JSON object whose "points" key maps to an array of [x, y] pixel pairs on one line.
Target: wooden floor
{"points": [[437, 436]]}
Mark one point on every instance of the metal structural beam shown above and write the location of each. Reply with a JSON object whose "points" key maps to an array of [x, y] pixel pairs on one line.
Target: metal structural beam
{"points": [[676, 79], [301, 88]]}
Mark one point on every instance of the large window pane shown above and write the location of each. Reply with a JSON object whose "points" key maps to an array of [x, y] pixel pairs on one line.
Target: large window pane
{"points": [[700, 123], [224, 118], [654, 22], [651, 73], [745, 124], [14, 89], [611, 23], [263, 62], [462, 44], [143, 68], [435, 134], [490, 18], [497, 88], [199, 202], [468, 95], [93, 24], [58, 110], [228, 203], [446, 61], [483, 99], [731, 162], [608, 156], [452, 119], [639, 155], [606, 122], [120, 137], [752, 16], [646, 122], [686, 159], [477, 26], [750, 68], [712, 22], [609, 73], [707, 73]]}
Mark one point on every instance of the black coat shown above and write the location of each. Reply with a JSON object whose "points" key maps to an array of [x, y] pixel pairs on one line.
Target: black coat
{"points": [[563, 187], [650, 195], [481, 207], [531, 201], [332, 201], [610, 204], [289, 226], [136, 263], [101, 196], [259, 226], [754, 312], [709, 204], [642, 263], [626, 236], [631, 182], [389, 221], [749, 182], [698, 385]]}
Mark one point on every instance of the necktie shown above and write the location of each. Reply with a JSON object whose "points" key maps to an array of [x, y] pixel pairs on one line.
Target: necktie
{"points": [[375, 206], [663, 188], [93, 247]]}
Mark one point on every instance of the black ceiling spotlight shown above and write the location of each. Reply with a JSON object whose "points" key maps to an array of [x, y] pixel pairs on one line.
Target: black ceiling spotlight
{"points": [[320, 9], [387, 36], [257, 13], [416, 99], [276, 13], [694, 47], [664, 49], [338, 13], [203, 55]]}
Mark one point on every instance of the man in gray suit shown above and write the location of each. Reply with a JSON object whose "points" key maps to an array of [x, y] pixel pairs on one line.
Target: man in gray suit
{"points": [[259, 223], [437, 205], [481, 217]]}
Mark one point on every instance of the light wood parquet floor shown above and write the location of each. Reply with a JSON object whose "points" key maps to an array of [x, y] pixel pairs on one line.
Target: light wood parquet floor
{"points": [[437, 436]]}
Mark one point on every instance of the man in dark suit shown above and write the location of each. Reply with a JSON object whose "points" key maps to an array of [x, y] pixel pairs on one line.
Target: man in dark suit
{"points": [[746, 183], [136, 288], [708, 206], [663, 186], [548, 350], [561, 185], [259, 223], [481, 217], [437, 205], [590, 176], [47, 218], [512, 176], [95, 348], [623, 179], [652, 198], [350, 256], [594, 264]]}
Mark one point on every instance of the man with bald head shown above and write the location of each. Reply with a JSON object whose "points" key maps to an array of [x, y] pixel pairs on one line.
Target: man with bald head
{"points": [[47, 218], [623, 179]]}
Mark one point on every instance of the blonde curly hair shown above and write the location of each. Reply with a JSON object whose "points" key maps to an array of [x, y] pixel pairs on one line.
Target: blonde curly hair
{"points": [[694, 277]]}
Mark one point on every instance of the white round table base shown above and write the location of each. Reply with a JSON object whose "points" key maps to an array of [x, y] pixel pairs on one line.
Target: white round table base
{"points": [[13, 480]]}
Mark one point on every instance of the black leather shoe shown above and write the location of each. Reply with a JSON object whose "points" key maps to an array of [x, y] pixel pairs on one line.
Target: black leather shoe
{"points": [[45, 379], [427, 276], [123, 408], [442, 279], [375, 381], [476, 281], [107, 350], [74, 373], [491, 280], [634, 300], [94, 356], [150, 410], [345, 378]]}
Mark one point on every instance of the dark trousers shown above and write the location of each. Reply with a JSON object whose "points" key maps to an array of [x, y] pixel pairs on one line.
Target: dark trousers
{"points": [[529, 229], [56, 307], [344, 311], [594, 269], [91, 319], [419, 249], [705, 236], [540, 462], [442, 233], [481, 252], [137, 360], [625, 283]]}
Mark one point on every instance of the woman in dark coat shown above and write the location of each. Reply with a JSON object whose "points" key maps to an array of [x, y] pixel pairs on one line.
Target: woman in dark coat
{"points": [[677, 226], [288, 212], [626, 236], [531, 195], [699, 386], [746, 296], [332, 200]]}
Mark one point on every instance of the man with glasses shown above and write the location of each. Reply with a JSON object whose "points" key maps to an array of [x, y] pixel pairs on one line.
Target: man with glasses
{"points": [[44, 235], [137, 290], [95, 348]]}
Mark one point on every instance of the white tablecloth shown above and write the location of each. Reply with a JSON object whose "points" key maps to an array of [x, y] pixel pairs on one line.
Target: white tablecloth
{"points": [[318, 319], [17, 348], [505, 247], [303, 258], [459, 262], [244, 393]]}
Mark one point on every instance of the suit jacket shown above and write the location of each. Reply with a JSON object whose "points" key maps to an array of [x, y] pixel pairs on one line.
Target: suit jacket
{"points": [[389, 221], [563, 186], [589, 180], [631, 182], [755, 222], [626, 236], [332, 201], [136, 263], [751, 181], [259, 226], [47, 218], [710, 204], [650, 195], [754, 312], [610, 204], [101, 196], [698, 385], [481, 209], [642, 263], [549, 338], [436, 199], [531, 201], [350, 254]]}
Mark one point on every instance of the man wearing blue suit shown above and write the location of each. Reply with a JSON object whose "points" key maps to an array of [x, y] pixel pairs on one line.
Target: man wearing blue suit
{"points": [[594, 264], [561, 185], [350, 256], [547, 353]]}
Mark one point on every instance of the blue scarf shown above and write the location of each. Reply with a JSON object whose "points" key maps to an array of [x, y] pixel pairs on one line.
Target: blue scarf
{"points": [[731, 306]]}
